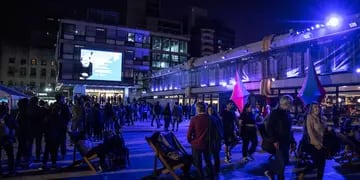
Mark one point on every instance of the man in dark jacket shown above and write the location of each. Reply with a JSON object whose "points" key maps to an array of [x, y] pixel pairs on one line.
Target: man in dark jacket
{"points": [[34, 115], [197, 136], [63, 114], [279, 132]]}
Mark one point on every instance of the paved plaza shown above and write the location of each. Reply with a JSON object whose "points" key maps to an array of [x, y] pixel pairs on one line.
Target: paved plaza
{"points": [[142, 157]]}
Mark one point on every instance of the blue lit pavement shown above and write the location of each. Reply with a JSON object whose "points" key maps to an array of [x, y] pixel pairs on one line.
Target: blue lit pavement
{"points": [[142, 157]]}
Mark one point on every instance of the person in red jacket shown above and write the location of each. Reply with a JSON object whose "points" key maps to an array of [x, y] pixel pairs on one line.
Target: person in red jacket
{"points": [[197, 136]]}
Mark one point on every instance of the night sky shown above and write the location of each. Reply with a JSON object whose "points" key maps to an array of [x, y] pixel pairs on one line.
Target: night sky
{"points": [[251, 19]]}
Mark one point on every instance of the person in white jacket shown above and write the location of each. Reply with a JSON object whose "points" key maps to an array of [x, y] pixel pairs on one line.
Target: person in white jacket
{"points": [[315, 129]]}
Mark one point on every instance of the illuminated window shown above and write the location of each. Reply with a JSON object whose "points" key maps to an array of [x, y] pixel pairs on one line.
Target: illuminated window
{"points": [[33, 61], [165, 44], [183, 47], [175, 58], [146, 40], [165, 57], [164, 65], [156, 43], [131, 37], [174, 45]]}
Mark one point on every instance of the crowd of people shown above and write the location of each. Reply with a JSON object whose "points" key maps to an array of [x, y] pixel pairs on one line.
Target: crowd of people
{"points": [[35, 122], [207, 132]]}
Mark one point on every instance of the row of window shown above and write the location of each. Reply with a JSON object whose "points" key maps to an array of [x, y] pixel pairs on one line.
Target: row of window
{"points": [[112, 35], [81, 30], [31, 85], [33, 61], [333, 57], [169, 45], [71, 51], [33, 72], [168, 57]]}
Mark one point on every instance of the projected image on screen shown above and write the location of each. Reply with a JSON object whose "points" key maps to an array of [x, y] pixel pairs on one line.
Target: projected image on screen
{"points": [[106, 65]]}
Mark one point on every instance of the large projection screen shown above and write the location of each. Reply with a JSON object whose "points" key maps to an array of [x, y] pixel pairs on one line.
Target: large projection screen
{"points": [[106, 65]]}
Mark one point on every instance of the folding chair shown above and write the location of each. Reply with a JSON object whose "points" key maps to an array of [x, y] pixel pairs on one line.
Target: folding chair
{"points": [[82, 145], [161, 144]]}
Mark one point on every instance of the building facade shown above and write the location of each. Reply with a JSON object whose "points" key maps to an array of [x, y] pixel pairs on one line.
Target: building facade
{"points": [[271, 67], [141, 51], [28, 68], [208, 36]]}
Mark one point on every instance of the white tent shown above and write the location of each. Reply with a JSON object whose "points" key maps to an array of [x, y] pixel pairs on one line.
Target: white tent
{"points": [[11, 95]]}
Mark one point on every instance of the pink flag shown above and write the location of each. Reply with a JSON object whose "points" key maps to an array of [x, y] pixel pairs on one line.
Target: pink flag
{"points": [[239, 94]]}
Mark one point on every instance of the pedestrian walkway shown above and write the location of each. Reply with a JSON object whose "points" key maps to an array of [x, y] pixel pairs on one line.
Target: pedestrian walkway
{"points": [[142, 156]]}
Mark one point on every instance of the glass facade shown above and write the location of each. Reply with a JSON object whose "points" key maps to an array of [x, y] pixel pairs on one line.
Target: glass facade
{"points": [[169, 52], [332, 55]]}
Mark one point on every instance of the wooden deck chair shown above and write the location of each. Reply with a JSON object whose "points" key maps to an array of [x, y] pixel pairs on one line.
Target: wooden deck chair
{"points": [[84, 147], [171, 154]]}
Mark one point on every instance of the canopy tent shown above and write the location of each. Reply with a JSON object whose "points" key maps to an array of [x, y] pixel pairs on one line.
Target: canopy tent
{"points": [[311, 90], [239, 94], [12, 95]]}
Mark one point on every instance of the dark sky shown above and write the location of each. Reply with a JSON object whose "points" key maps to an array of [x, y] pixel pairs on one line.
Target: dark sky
{"points": [[251, 19], [254, 19]]}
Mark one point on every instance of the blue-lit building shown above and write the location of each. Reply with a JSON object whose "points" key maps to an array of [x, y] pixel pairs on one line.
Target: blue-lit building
{"points": [[140, 52], [271, 67]]}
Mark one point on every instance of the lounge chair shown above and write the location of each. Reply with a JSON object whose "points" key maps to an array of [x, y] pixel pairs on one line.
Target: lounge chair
{"points": [[171, 154]]}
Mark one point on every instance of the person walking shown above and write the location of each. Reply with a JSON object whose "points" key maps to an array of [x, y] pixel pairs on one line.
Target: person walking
{"points": [[279, 132], [177, 116], [248, 133], [197, 136], [156, 114], [167, 116], [229, 125]]}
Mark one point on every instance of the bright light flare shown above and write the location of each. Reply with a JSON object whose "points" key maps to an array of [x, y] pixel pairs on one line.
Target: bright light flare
{"points": [[333, 21]]}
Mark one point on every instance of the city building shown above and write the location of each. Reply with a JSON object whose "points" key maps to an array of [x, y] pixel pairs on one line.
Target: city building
{"points": [[208, 36], [107, 61], [28, 69], [164, 25], [269, 68]]}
